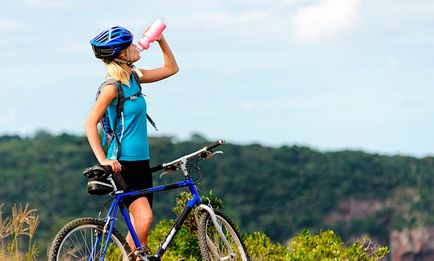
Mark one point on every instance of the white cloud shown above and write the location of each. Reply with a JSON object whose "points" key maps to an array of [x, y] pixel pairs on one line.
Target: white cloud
{"points": [[325, 19]]}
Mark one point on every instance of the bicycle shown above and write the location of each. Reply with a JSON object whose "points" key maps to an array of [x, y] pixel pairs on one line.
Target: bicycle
{"points": [[98, 239]]}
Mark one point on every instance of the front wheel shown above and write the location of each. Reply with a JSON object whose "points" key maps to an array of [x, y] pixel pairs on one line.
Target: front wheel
{"points": [[85, 239], [212, 245]]}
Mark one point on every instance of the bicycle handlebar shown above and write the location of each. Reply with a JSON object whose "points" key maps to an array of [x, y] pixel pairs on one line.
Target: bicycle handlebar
{"points": [[202, 153], [157, 168], [215, 145]]}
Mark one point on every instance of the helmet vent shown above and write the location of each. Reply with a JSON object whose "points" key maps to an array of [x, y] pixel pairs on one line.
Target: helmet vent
{"points": [[109, 43], [103, 39]]}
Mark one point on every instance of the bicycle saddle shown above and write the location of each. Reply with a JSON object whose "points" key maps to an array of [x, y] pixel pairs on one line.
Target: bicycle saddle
{"points": [[97, 171]]}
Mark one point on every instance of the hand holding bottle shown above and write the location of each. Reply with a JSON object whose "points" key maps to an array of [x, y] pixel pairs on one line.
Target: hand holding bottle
{"points": [[152, 34]]}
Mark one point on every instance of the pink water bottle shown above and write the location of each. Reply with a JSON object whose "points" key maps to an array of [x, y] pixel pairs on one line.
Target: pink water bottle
{"points": [[151, 35]]}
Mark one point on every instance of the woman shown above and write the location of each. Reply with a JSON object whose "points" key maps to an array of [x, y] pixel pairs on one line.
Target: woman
{"points": [[114, 46]]}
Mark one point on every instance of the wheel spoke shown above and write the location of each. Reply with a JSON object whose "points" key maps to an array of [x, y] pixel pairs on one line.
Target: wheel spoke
{"points": [[83, 239]]}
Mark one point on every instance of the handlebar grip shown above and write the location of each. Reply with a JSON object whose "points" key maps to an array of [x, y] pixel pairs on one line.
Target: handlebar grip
{"points": [[215, 145], [119, 181], [107, 168], [156, 168]]}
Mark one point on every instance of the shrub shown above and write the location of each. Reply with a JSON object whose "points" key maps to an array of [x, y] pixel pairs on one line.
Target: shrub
{"points": [[325, 245], [185, 245], [261, 248], [328, 246]]}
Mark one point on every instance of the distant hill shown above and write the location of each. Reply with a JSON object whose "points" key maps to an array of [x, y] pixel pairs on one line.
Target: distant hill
{"points": [[279, 191]]}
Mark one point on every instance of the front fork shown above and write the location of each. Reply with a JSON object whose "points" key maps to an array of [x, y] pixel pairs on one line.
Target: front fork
{"points": [[218, 227]]}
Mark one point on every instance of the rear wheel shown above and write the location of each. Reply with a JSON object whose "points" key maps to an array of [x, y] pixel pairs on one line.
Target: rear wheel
{"points": [[212, 245], [84, 239]]}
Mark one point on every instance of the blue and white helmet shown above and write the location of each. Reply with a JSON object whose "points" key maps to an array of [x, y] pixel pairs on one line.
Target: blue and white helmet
{"points": [[107, 45]]}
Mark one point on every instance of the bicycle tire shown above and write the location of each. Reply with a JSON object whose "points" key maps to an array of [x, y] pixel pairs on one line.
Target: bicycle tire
{"points": [[76, 239], [212, 247]]}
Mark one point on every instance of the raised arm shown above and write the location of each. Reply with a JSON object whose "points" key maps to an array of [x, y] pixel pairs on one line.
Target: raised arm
{"points": [[169, 68]]}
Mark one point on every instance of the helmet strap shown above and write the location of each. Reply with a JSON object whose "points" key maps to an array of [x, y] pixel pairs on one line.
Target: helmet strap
{"points": [[128, 54], [127, 62], [130, 64]]}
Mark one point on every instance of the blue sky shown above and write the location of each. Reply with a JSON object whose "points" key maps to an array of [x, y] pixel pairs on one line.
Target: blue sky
{"points": [[329, 74]]}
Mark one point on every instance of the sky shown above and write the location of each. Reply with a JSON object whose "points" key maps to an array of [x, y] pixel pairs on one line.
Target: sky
{"points": [[328, 74]]}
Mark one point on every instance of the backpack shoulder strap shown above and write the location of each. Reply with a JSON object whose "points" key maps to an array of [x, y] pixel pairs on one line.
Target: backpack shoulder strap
{"points": [[120, 96], [119, 110], [137, 78], [117, 84], [107, 82]]}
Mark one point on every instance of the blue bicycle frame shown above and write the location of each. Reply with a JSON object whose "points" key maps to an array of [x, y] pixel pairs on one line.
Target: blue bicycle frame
{"points": [[188, 182], [112, 212]]}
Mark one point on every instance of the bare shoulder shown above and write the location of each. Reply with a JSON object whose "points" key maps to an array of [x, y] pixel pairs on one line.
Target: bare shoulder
{"points": [[109, 91]]}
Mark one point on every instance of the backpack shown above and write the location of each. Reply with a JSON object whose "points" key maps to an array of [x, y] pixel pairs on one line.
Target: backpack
{"points": [[109, 133]]}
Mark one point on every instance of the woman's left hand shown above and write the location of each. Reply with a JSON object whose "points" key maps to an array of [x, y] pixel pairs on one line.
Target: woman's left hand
{"points": [[158, 38], [161, 36]]}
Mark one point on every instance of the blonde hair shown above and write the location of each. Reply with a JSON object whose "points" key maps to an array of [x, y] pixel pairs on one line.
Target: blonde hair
{"points": [[114, 70]]}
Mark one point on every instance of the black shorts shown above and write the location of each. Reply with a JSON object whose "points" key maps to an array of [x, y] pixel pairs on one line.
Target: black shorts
{"points": [[137, 175]]}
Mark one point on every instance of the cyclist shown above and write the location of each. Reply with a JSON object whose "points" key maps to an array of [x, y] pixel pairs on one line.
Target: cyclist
{"points": [[115, 48]]}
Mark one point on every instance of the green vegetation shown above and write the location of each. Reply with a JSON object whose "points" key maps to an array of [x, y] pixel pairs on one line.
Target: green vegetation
{"points": [[324, 246], [278, 191], [185, 245], [328, 246]]}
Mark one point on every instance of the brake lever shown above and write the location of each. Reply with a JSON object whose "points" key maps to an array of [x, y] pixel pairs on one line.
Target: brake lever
{"points": [[210, 154], [168, 170], [164, 174]]}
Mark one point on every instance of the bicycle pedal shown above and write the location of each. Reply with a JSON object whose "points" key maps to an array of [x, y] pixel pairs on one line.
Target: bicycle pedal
{"points": [[150, 258]]}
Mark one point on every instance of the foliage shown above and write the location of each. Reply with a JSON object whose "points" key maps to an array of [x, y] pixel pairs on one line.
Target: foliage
{"points": [[185, 245], [17, 234], [324, 246], [278, 191], [260, 247], [181, 202], [328, 246], [113, 253]]}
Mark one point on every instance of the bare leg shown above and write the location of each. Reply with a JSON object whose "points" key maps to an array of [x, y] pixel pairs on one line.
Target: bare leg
{"points": [[141, 213]]}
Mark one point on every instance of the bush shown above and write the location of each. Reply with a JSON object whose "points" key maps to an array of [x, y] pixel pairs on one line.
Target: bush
{"points": [[21, 226], [328, 246], [324, 246], [185, 245], [260, 247]]}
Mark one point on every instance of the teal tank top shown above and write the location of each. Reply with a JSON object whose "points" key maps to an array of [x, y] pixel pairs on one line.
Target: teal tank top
{"points": [[132, 126]]}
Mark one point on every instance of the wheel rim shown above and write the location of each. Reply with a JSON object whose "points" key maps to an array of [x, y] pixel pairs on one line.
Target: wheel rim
{"points": [[217, 246], [78, 244]]}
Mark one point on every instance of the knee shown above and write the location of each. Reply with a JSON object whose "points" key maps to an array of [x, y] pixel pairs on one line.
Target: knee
{"points": [[148, 219], [145, 220]]}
